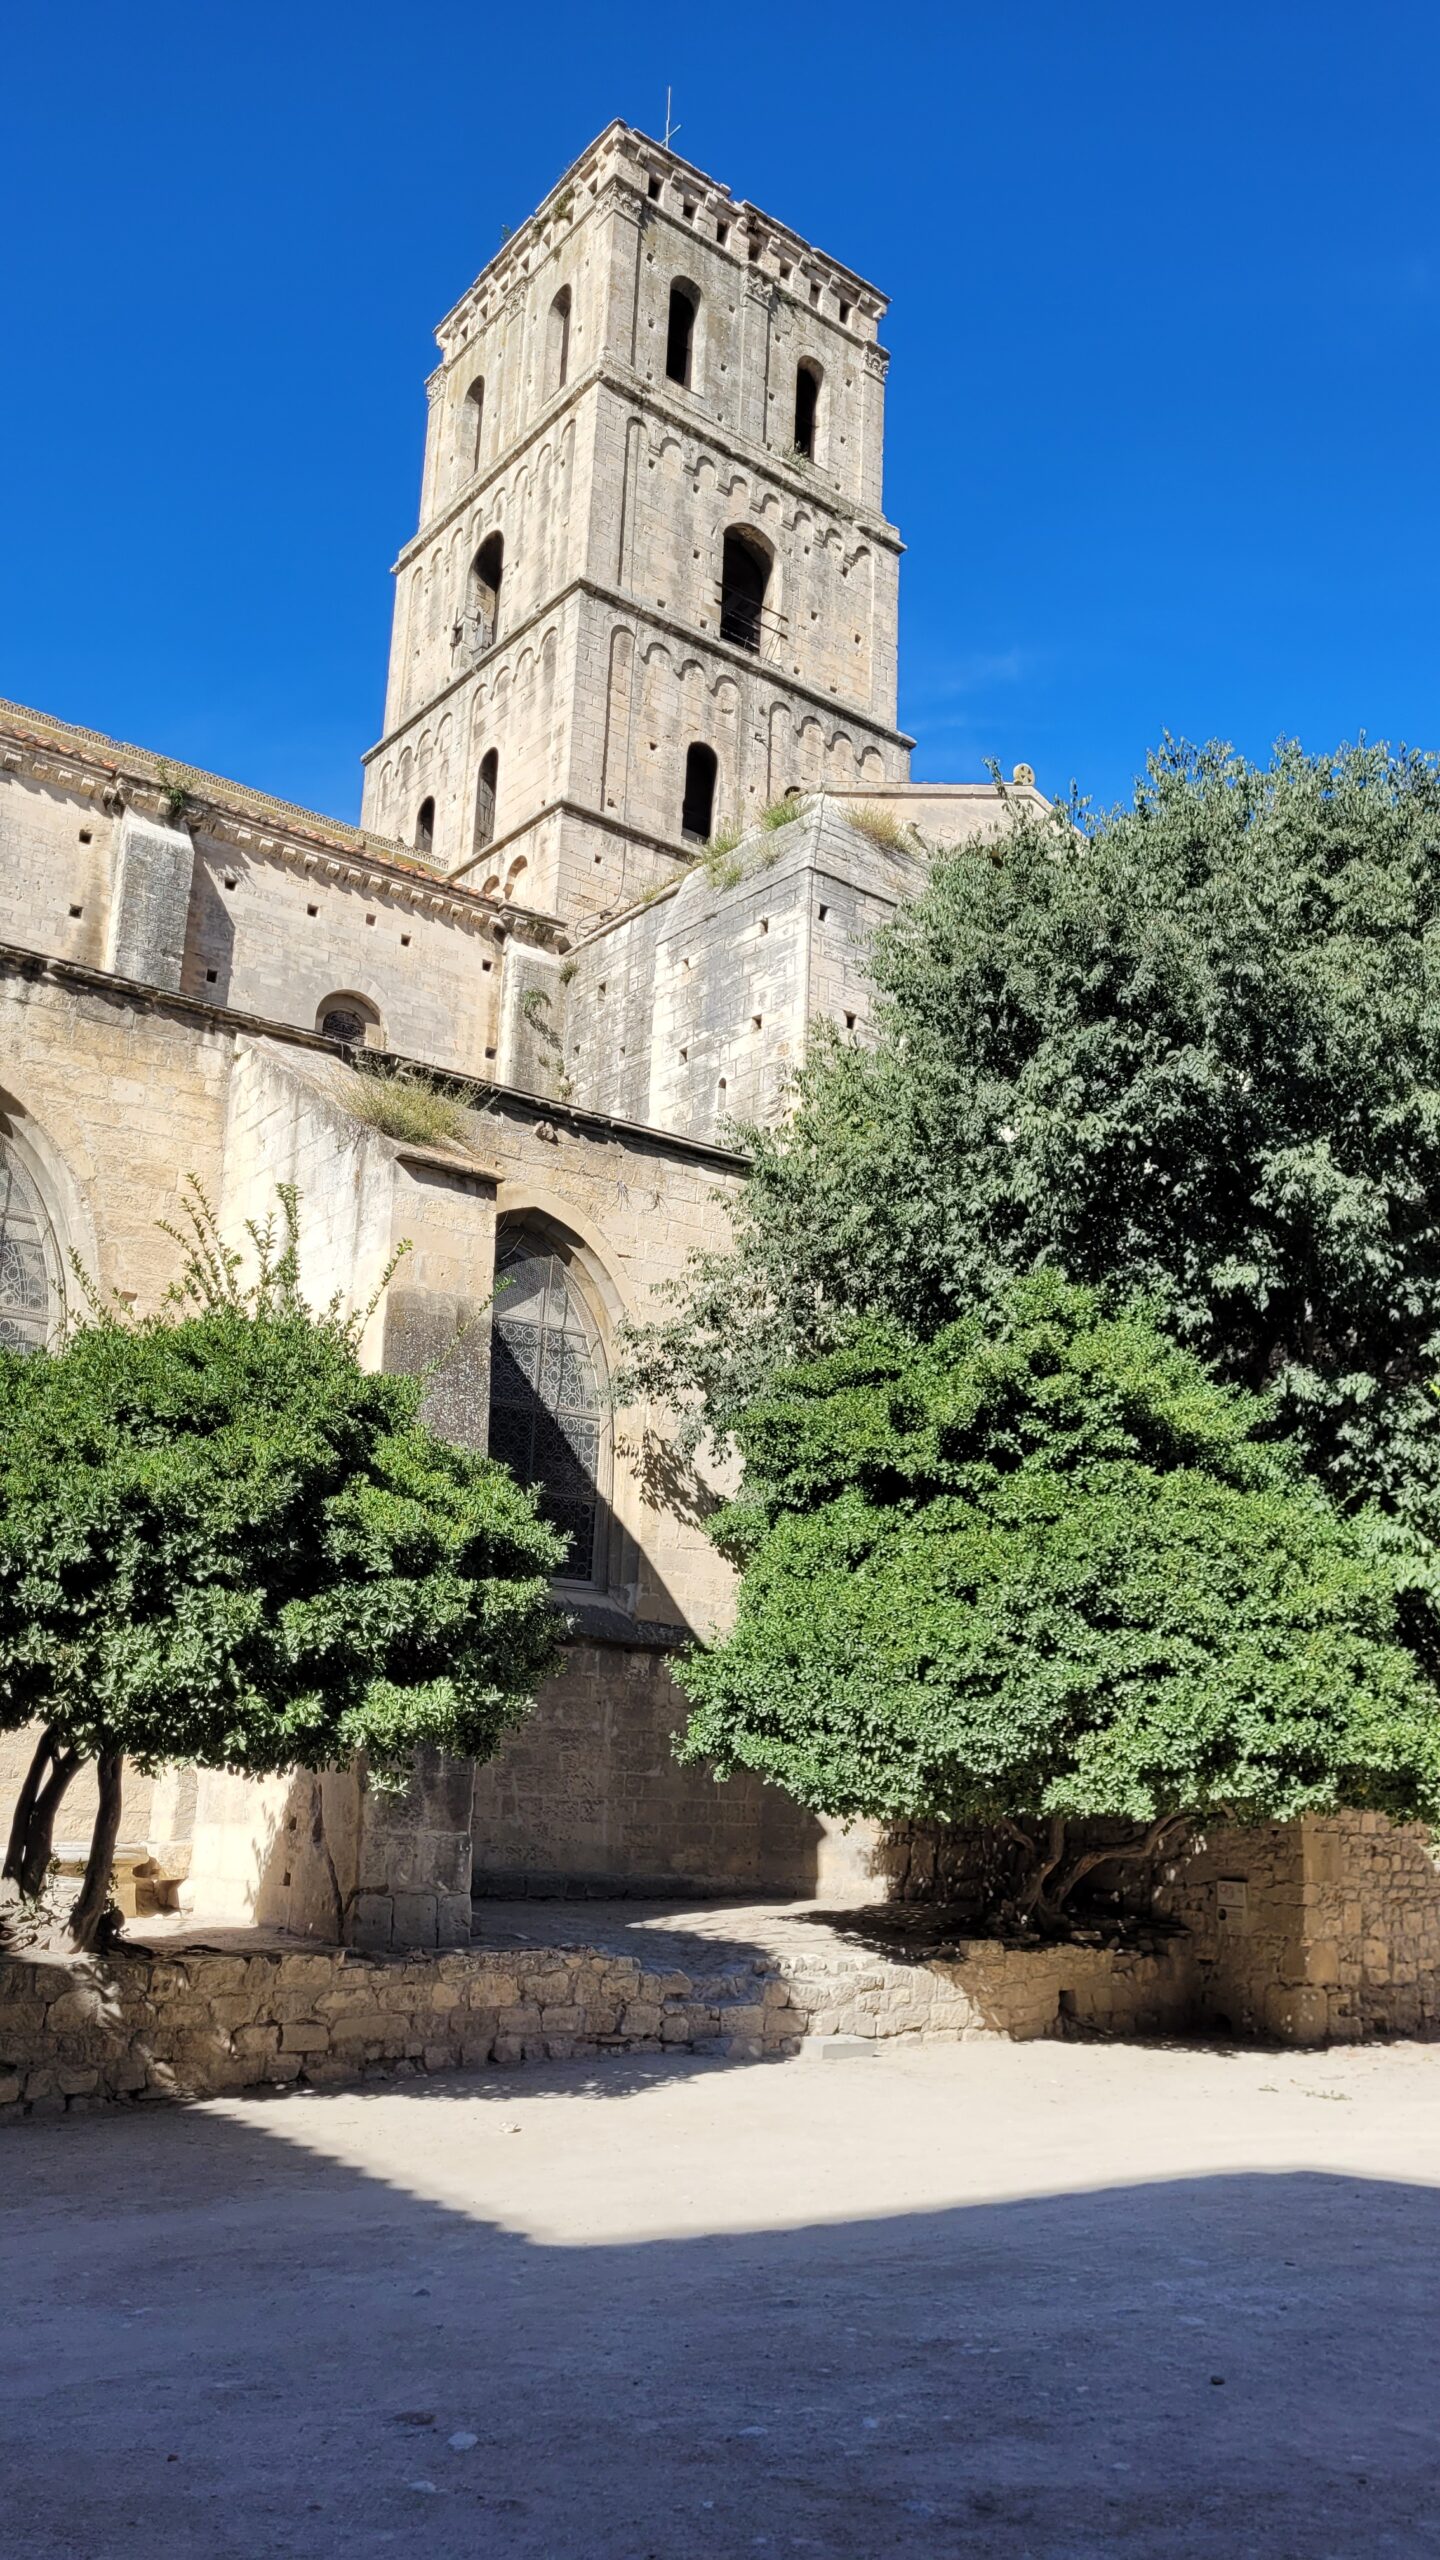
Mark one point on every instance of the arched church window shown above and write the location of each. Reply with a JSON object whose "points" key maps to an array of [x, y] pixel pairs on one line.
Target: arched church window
{"points": [[557, 359], [26, 1308], [425, 827], [352, 1019], [487, 784], [483, 601], [744, 577], [680, 333], [546, 1408], [697, 809], [473, 422], [807, 407]]}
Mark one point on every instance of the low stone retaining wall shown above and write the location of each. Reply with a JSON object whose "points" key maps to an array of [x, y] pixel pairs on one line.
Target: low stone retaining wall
{"points": [[193, 2022]]}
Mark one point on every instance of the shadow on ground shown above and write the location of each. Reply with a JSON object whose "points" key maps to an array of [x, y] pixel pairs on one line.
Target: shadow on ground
{"points": [[228, 2336]]}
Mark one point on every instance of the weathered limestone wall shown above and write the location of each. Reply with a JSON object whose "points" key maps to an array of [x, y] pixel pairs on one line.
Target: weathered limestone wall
{"points": [[281, 938], [612, 488], [193, 2023], [113, 1099], [59, 832], [235, 904], [588, 1796], [696, 1009], [946, 812], [1314, 1930], [154, 866]]}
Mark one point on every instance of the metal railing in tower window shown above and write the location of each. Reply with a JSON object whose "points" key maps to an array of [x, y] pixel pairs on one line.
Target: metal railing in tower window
{"points": [[747, 623]]}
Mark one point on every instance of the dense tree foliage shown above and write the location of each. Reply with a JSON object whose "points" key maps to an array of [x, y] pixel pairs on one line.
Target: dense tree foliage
{"points": [[222, 1541], [1191, 1049], [1044, 1566]]}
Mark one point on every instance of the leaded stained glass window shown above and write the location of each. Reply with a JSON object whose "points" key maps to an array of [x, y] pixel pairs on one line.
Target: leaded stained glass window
{"points": [[24, 1280], [546, 1414]]}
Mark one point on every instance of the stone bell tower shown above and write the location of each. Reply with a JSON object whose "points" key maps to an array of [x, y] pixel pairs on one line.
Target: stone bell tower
{"points": [[653, 587]]}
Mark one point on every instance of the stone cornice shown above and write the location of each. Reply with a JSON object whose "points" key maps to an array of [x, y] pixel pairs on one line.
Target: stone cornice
{"points": [[89, 761], [740, 662], [608, 155], [608, 374], [72, 761], [38, 967]]}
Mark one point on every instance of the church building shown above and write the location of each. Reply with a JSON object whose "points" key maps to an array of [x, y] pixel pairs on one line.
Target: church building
{"points": [[639, 801]]}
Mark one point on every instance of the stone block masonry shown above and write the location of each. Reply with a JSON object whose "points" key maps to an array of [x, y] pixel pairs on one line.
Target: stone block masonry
{"points": [[1315, 1931], [194, 2022]]}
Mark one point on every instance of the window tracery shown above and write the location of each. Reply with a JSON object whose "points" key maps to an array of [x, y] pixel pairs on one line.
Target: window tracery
{"points": [[25, 1290], [546, 1406]]}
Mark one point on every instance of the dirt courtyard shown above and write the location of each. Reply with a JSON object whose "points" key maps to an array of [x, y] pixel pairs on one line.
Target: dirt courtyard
{"points": [[1058, 2302]]}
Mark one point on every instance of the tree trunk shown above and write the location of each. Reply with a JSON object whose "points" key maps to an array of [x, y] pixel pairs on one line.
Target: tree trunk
{"points": [[1048, 1875], [31, 1850], [94, 1900], [43, 1754]]}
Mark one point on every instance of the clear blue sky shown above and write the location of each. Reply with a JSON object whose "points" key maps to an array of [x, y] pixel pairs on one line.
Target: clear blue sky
{"points": [[1163, 410]]}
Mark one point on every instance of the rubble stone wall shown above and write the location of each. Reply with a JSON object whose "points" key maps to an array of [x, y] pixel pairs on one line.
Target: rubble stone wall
{"points": [[195, 2023], [1315, 1930]]}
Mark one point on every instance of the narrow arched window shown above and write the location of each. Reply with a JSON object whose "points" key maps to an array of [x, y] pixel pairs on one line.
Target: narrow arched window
{"points": [[352, 1019], [425, 827], [25, 1294], [483, 601], [680, 334], [807, 407], [474, 421], [744, 578], [697, 809], [557, 364], [487, 784], [546, 1406]]}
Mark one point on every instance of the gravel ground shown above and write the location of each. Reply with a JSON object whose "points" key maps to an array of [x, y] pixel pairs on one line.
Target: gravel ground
{"points": [[1055, 2301]]}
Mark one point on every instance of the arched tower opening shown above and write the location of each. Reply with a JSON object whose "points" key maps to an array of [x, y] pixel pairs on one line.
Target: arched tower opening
{"points": [[697, 809], [807, 408], [557, 343], [487, 785], [744, 583], [487, 570], [680, 333]]}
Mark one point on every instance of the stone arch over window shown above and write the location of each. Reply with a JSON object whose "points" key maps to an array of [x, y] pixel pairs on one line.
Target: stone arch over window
{"points": [[487, 792], [808, 378], [680, 332], [31, 1294], [351, 1018], [482, 603], [549, 1392], [472, 425], [557, 342], [746, 561], [425, 826], [697, 809]]}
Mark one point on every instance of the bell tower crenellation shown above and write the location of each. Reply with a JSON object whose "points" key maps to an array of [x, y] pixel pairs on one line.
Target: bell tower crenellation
{"points": [[653, 588]]}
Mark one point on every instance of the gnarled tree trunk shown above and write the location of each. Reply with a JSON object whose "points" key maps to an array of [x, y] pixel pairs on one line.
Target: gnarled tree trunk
{"points": [[1049, 1869], [94, 1897], [32, 1831]]}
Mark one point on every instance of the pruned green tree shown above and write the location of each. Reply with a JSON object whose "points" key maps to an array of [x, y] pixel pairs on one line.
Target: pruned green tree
{"points": [[1042, 1571], [224, 1542], [1189, 1049]]}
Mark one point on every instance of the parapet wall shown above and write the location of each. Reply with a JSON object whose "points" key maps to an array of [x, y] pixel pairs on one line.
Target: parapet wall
{"points": [[197, 2022]]}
